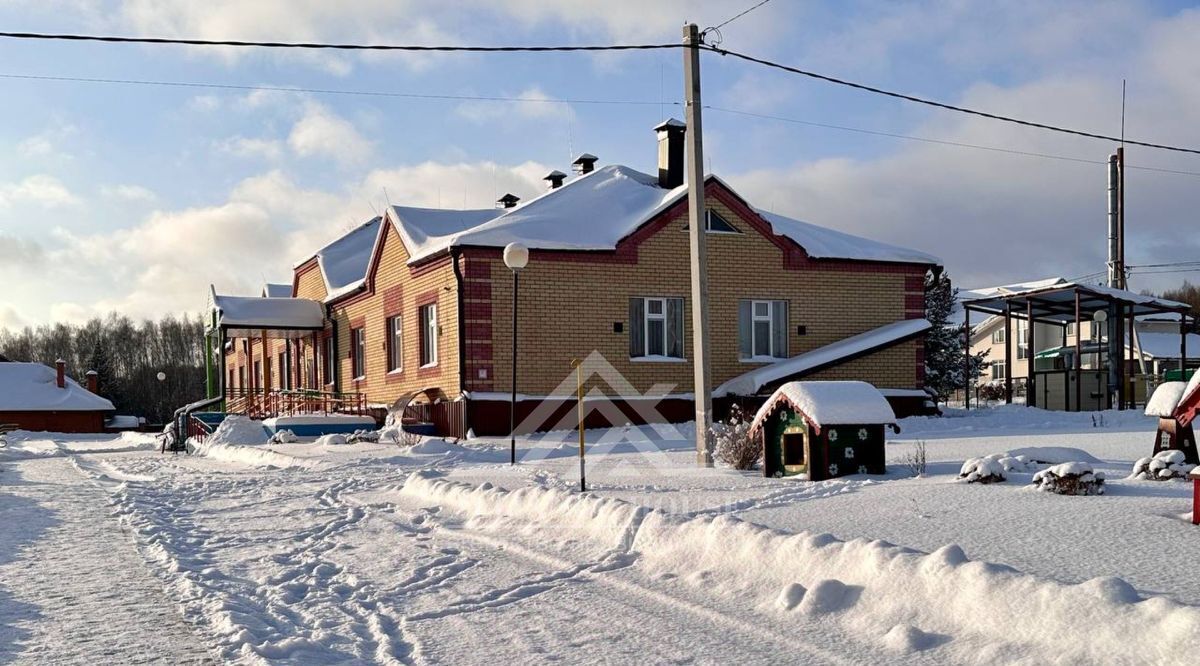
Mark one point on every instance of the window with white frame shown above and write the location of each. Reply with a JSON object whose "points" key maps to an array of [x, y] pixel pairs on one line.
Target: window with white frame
{"points": [[1070, 328], [762, 329], [395, 350], [714, 223], [998, 336], [1022, 339], [656, 327], [997, 368], [429, 335], [358, 351]]}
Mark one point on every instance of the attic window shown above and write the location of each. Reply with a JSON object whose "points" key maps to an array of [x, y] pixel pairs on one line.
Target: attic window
{"points": [[715, 224]]}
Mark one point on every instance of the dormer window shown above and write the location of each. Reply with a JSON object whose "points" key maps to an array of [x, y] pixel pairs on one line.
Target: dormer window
{"points": [[715, 224]]}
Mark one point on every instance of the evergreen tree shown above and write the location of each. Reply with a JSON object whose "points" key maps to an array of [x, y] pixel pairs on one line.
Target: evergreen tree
{"points": [[945, 355]]}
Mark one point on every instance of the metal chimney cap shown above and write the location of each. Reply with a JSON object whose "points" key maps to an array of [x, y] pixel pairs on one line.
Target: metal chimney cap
{"points": [[554, 174], [508, 200], [585, 158], [670, 124]]}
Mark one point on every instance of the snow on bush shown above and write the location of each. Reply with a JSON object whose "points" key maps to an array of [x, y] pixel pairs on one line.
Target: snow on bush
{"points": [[370, 436], [995, 467], [1073, 478], [284, 436], [1164, 466], [1053, 455], [983, 470], [331, 439], [238, 430], [734, 445]]}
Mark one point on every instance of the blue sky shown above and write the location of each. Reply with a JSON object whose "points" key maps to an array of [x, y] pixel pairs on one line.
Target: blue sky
{"points": [[136, 197]]}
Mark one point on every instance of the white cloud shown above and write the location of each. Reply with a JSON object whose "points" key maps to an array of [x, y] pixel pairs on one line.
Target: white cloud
{"points": [[131, 193], [323, 133], [48, 143], [17, 252], [41, 189], [540, 106], [251, 148], [10, 318]]}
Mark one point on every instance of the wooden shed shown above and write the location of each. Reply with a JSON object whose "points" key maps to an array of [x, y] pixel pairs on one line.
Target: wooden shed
{"points": [[824, 430], [1176, 405]]}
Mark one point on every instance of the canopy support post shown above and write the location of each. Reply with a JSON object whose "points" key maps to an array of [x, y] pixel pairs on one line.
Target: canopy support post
{"points": [[1008, 379], [967, 358], [1030, 352], [1078, 356]]}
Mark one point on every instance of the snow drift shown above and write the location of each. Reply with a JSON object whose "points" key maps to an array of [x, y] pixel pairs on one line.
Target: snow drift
{"points": [[904, 597]]}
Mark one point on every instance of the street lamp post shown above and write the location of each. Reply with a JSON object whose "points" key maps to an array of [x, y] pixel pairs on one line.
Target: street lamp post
{"points": [[516, 256]]}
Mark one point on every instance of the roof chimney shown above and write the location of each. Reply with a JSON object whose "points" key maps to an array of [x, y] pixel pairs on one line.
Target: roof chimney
{"points": [[555, 178], [670, 153], [60, 367], [585, 163], [507, 201], [93, 381]]}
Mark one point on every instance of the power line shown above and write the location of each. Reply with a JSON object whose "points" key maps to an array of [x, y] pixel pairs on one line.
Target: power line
{"points": [[941, 142], [609, 47], [943, 105], [334, 46], [328, 91], [733, 18]]}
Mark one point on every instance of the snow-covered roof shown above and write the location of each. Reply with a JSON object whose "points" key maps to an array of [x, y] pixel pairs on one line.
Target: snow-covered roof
{"points": [[33, 387], [1055, 297], [596, 211], [246, 316], [344, 262], [1165, 399], [1163, 345], [797, 366], [277, 290], [824, 243], [830, 403], [1016, 287]]}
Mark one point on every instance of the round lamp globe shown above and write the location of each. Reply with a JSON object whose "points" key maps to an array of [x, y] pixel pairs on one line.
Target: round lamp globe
{"points": [[516, 256]]}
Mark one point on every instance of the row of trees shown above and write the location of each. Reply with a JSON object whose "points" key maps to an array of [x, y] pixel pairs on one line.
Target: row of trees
{"points": [[1186, 293], [127, 355]]}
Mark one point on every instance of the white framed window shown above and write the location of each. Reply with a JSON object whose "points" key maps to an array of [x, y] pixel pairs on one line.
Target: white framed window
{"points": [[1022, 339], [358, 352], [762, 330], [997, 368], [715, 224], [656, 327], [395, 350], [1070, 328], [998, 336], [429, 335]]}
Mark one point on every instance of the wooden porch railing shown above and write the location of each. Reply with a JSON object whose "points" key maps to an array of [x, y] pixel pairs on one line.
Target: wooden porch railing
{"points": [[261, 403]]}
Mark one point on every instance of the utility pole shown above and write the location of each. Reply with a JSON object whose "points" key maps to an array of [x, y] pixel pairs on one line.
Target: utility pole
{"points": [[696, 242]]}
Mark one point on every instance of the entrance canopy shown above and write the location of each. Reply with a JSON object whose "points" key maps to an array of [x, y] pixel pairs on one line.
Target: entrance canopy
{"points": [[1056, 302], [253, 316]]}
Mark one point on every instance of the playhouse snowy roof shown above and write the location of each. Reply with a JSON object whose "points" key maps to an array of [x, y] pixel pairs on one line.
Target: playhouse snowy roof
{"points": [[33, 387], [344, 262], [831, 403], [751, 382], [596, 211], [248, 316], [1165, 399]]}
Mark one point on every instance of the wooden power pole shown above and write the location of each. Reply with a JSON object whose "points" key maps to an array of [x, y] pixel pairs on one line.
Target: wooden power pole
{"points": [[696, 240]]}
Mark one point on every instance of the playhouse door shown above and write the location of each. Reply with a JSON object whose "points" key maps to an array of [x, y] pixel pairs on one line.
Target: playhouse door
{"points": [[793, 452]]}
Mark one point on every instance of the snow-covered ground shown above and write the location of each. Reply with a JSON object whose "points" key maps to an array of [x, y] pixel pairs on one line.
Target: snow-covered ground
{"points": [[444, 553]]}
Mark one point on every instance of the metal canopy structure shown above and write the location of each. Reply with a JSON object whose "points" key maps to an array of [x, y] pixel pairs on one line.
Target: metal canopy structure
{"points": [[1061, 302], [255, 316]]}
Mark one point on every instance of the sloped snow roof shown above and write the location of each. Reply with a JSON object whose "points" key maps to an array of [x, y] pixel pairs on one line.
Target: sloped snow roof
{"points": [[595, 211], [1165, 399], [344, 262], [751, 382], [831, 403], [34, 387], [249, 314], [277, 290], [824, 243]]}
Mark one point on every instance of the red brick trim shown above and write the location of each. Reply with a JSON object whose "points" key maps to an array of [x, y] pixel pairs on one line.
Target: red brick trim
{"points": [[426, 297], [429, 266]]}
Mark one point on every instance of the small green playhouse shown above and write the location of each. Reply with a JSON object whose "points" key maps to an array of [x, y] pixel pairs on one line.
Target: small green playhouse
{"points": [[823, 430]]}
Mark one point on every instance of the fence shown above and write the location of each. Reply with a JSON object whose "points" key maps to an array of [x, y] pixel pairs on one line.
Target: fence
{"points": [[262, 403]]}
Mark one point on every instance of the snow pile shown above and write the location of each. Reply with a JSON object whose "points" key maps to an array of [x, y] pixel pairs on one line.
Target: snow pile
{"points": [[1073, 478], [369, 436], [907, 600], [1164, 466], [284, 436], [1052, 455], [1165, 399], [238, 430], [983, 470]]}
